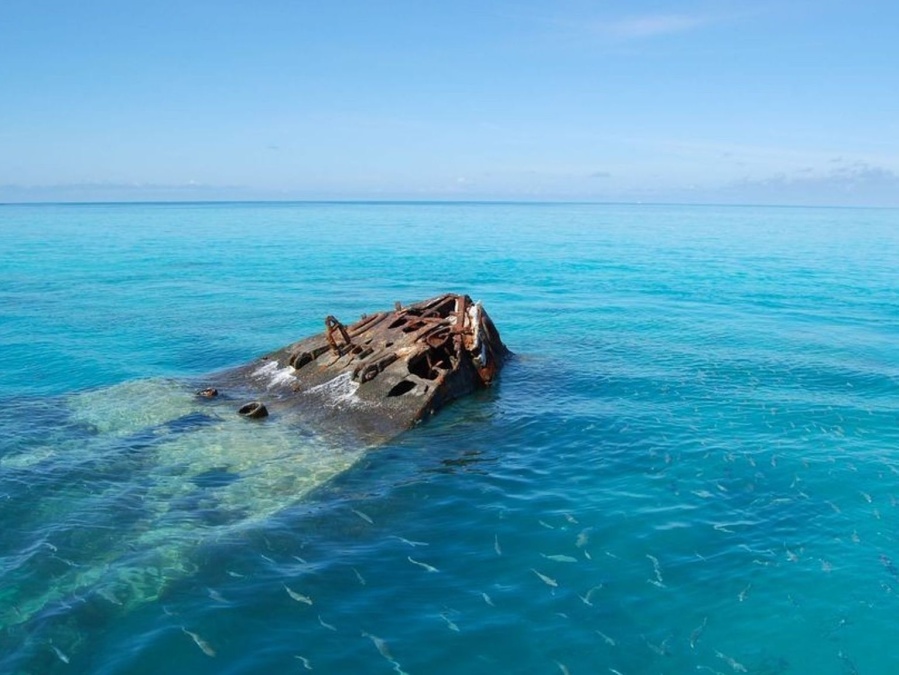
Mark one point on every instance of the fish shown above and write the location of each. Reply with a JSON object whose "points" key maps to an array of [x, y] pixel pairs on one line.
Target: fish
{"points": [[571, 519], [204, 646], [563, 668], [661, 649], [559, 558], [658, 581], [742, 596], [424, 566], [380, 645], [449, 624], [777, 501], [585, 598], [609, 641], [305, 661], [364, 516], [496, 546], [888, 565], [326, 625], [549, 581], [384, 651], [215, 595], [764, 551], [735, 665], [697, 632], [848, 664], [546, 525], [359, 577], [487, 599], [234, 574], [411, 543], [59, 653], [299, 597]]}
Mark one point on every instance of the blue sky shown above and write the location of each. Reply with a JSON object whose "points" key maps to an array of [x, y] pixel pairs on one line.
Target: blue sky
{"points": [[787, 102]]}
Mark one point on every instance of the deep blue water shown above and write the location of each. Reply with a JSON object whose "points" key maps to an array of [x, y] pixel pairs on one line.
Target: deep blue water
{"points": [[692, 464]]}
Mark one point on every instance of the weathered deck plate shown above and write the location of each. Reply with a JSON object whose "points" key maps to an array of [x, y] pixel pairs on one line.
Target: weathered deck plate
{"points": [[385, 372]]}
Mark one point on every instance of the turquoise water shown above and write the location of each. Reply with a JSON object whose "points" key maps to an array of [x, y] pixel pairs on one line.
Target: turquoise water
{"points": [[691, 465]]}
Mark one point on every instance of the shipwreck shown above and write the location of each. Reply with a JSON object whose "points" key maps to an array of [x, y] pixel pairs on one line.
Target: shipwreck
{"points": [[377, 376]]}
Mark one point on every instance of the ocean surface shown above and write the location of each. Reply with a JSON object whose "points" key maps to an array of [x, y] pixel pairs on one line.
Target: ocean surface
{"points": [[691, 465]]}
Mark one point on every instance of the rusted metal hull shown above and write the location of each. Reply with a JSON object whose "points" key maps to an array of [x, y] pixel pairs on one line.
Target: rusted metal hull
{"points": [[383, 373]]}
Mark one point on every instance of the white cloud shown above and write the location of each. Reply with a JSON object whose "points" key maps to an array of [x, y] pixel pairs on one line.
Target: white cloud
{"points": [[849, 184]]}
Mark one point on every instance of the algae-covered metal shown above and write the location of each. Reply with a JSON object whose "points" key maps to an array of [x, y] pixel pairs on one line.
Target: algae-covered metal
{"points": [[386, 371]]}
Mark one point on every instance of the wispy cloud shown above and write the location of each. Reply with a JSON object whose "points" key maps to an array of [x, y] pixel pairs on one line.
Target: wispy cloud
{"points": [[623, 27], [650, 25]]}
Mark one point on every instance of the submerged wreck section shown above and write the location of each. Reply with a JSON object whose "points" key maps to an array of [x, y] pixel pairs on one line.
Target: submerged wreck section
{"points": [[388, 370]]}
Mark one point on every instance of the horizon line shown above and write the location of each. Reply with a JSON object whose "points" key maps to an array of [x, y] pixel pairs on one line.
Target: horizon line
{"points": [[585, 202]]}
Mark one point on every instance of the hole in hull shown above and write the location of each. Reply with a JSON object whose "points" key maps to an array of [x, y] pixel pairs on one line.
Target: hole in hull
{"points": [[401, 387]]}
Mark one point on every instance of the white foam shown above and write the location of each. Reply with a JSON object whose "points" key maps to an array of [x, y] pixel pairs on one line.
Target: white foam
{"points": [[266, 369], [276, 376], [341, 389]]}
